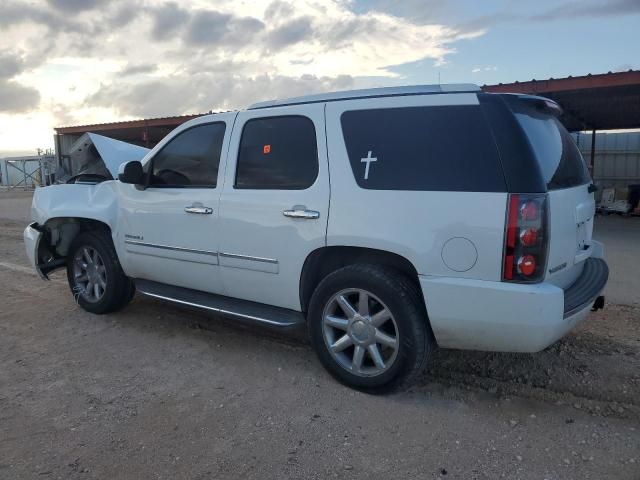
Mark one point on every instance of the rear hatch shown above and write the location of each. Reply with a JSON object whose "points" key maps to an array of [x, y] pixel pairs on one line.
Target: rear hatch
{"points": [[571, 205]]}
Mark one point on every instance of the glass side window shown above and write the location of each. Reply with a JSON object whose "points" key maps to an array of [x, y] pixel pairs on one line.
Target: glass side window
{"points": [[277, 153], [190, 159], [560, 161], [439, 148]]}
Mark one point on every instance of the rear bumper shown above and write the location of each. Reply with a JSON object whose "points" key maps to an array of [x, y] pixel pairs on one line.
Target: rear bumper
{"points": [[587, 287], [499, 316]]}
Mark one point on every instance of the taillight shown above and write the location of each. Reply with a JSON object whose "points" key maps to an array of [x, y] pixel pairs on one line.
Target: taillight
{"points": [[525, 245]]}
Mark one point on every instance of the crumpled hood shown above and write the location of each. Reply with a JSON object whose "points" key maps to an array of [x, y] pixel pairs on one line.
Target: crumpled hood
{"points": [[93, 153]]}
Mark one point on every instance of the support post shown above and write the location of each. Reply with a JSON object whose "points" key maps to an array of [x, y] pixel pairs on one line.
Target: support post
{"points": [[593, 154]]}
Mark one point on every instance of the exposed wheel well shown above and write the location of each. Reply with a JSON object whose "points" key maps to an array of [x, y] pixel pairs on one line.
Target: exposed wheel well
{"points": [[323, 261], [58, 234]]}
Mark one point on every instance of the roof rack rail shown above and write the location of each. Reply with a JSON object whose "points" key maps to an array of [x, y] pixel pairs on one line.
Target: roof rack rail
{"points": [[370, 93]]}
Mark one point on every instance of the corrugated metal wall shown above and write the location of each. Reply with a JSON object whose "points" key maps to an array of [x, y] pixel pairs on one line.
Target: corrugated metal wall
{"points": [[617, 158]]}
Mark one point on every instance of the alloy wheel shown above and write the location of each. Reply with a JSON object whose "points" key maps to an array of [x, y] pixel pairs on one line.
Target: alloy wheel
{"points": [[360, 332], [89, 274]]}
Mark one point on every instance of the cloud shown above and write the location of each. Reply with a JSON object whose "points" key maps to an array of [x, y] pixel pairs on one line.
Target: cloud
{"points": [[596, 8], [278, 10], [167, 19], [420, 11], [13, 14], [204, 92], [291, 32], [74, 6], [136, 69], [16, 98], [11, 64], [215, 29], [158, 58]]}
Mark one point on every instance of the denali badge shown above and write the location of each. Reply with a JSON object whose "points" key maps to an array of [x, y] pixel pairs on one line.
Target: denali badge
{"points": [[133, 237], [558, 268]]}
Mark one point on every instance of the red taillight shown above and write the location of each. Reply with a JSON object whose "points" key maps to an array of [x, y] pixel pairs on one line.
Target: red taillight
{"points": [[525, 245], [512, 221], [529, 237], [529, 211], [527, 265]]}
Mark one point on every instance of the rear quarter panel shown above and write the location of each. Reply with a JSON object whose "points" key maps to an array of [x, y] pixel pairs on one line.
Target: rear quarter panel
{"points": [[413, 224]]}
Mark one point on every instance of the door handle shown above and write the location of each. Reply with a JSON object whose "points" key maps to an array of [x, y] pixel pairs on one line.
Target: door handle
{"points": [[199, 210], [301, 213]]}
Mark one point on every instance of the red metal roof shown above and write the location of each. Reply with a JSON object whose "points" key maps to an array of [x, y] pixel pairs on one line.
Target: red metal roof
{"points": [[602, 101], [148, 122]]}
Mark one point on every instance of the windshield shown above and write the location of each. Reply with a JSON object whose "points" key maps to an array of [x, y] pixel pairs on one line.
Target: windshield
{"points": [[560, 160]]}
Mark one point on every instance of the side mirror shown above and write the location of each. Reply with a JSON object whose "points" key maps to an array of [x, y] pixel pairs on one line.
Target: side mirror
{"points": [[131, 172]]}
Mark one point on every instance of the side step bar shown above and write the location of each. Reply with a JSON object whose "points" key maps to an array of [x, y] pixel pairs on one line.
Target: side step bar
{"points": [[226, 306]]}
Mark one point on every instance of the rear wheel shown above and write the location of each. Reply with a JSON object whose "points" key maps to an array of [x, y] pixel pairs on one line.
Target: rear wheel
{"points": [[95, 276], [369, 328]]}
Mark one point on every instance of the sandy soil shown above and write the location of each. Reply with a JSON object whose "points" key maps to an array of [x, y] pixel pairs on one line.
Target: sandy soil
{"points": [[158, 391]]}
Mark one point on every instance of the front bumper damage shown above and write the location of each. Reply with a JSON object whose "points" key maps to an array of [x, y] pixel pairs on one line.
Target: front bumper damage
{"points": [[39, 256]]}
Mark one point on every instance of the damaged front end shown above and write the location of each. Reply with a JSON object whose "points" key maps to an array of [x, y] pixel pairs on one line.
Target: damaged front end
{"points": [[87, 200], [95, 158], [48, 246]]}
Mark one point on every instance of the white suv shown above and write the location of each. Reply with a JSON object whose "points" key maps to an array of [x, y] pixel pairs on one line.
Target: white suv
{"points": [[388, 221]]}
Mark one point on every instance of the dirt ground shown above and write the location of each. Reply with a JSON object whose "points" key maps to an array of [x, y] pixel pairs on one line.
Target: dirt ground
{"points": [[158, 391]]}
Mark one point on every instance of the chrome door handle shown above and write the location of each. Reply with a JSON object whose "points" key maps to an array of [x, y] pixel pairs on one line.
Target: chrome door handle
{"points": [[306, 214], [199, 210]]}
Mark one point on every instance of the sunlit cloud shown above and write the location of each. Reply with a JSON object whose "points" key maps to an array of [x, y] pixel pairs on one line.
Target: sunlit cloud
{"points": [[79, 61]]}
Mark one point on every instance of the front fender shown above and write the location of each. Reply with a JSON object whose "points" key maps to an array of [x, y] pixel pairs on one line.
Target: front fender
{"points": [[95, 202]]}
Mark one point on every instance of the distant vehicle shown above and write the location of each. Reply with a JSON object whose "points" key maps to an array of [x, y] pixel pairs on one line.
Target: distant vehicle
{"points": [[388, 220]]}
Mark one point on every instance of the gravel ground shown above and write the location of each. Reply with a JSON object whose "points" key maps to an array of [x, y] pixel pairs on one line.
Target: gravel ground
{"points": [[158, 391]]}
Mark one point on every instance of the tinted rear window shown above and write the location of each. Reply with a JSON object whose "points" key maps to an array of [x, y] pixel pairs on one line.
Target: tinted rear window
{"points": [[441, 148], [560, 161]]}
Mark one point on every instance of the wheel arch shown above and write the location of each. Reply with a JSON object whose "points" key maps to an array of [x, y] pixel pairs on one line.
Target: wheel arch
{"points": [[58, 234], [322, 261]]}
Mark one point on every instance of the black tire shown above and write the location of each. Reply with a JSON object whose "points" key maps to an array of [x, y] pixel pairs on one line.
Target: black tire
{"points": [[401, 297], [118, 289]]}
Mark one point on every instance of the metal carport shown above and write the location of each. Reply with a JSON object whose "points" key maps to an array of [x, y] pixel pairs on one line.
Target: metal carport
{"points": [[609, 101]]}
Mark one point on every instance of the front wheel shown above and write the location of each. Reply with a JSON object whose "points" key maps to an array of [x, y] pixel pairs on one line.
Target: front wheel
{"points": [[95, 276], [369, 327]]}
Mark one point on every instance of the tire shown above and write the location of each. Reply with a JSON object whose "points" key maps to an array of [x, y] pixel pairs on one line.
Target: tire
{"points": [[407, 339], [92, 261]]}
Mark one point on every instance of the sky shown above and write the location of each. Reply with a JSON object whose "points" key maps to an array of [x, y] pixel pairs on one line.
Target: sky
{"points": [[74, 62]]}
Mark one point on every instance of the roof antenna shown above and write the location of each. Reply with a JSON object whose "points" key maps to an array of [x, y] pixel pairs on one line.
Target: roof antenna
{"points": [[439, 78]]}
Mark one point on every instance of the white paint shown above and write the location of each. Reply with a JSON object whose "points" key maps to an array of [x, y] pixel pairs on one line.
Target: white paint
{"points": [[252, 223], [412, 224], [459, 254], [571, 213], [368, 159], [496, 316], [158, 216], [115, 152]]}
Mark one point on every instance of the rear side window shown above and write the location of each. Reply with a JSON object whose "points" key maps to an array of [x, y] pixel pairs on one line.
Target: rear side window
{"points": [[560, 161], [441, 148], [277, 153], [190, 159]]}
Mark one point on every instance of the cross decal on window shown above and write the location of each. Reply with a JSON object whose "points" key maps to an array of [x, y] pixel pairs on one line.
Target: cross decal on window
{"points": [[368, 159]]}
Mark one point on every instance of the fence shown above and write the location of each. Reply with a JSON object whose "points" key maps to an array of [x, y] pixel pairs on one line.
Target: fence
{"points": [[26, 172]]}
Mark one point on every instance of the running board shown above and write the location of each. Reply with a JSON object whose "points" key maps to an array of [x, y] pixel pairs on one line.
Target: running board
{"points": [[226, 306]]}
